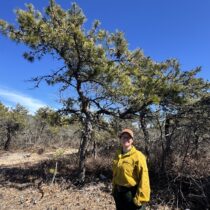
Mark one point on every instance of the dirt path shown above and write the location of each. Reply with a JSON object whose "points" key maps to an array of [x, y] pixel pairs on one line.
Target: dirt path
{"points": [[9, 159]]}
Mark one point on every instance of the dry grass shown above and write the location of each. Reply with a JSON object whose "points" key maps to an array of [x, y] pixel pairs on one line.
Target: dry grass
{"points": [[55, 196], [25, 183]]}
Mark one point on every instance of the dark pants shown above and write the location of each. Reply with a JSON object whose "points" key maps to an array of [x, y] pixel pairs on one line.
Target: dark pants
{"points": [[124, 199]]}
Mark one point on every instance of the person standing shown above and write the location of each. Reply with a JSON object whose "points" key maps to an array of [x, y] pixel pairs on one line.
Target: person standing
{"points": [[131, 186]]}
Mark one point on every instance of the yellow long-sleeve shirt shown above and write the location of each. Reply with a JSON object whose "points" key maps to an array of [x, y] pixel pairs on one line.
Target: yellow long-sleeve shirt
{"points": [[130, 169]]}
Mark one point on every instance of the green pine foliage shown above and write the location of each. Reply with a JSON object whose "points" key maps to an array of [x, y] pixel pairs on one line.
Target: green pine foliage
{"points": [[100, 75]]}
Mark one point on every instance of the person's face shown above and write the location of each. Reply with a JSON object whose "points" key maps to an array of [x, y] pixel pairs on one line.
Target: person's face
{"points": [[126, 140]]}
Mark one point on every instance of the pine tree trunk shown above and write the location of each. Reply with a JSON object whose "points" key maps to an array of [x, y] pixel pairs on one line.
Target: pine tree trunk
{"points": [[167, 148], [8, 141], [145, 132], [86, 138], [167, 136], [94, 149]]}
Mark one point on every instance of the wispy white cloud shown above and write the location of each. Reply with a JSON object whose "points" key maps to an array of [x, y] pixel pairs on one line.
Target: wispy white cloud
{"points": [[13, 97]]}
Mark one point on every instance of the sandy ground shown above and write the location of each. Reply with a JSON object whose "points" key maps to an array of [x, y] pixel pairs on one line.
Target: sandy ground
{"points": [[17, 158], [47, 196], [88, 198]]}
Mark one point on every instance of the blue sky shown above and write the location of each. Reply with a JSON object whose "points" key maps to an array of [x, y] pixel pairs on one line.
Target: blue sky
{"points": [[161, 28]]}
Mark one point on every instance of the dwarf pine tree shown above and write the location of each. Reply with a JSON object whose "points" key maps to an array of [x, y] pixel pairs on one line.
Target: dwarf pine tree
{"points": [[92, 62], [12, 121], [100, 75]]}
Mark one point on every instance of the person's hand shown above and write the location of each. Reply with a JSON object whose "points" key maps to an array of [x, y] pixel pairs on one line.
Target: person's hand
{"points": [[140, 207]]}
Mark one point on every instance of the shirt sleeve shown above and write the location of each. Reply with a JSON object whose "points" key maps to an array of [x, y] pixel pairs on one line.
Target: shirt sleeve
{"points": [[143, 187]]}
